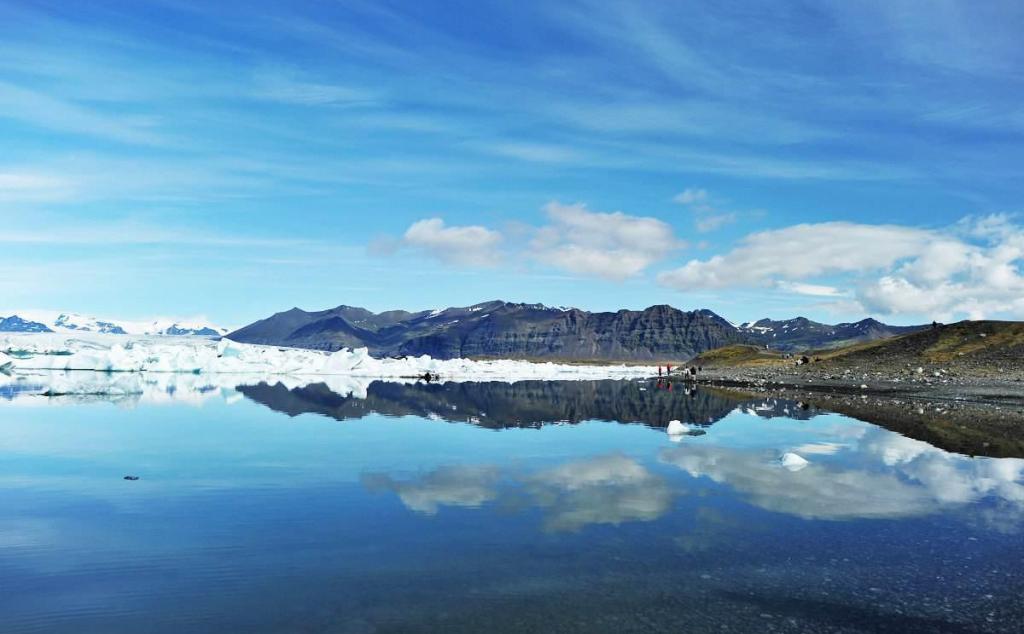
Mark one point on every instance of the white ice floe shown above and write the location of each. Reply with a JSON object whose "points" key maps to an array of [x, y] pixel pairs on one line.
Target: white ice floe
{"points": [[677, 429], [5, 361], [162, 387], [198, 355], [792, 461]]}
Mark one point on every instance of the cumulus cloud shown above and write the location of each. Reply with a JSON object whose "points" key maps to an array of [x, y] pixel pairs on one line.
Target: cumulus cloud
{"points": [[972, 269], [470, 245], [611, 245], [800, 252]]}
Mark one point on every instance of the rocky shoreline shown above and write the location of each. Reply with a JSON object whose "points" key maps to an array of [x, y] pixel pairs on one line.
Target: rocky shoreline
{"points": [[980, 414]]}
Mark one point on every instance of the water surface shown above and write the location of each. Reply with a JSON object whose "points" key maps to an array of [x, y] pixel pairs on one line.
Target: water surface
{"points": [[535, 506]]}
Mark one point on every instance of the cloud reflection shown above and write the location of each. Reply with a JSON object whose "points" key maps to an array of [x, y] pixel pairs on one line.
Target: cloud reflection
{"points": [[892, 476], [466, 486], [610, 489]]}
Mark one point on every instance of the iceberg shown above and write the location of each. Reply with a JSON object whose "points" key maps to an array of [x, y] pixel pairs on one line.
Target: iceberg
{"points": [[792, 461], [677, 428]]}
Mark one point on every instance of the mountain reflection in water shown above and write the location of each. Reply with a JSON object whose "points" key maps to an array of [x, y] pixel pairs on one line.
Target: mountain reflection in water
{"points": [[500, 405]]}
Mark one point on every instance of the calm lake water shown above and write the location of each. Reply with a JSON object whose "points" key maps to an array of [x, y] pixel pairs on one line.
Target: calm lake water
{"points": [[530, 507]]}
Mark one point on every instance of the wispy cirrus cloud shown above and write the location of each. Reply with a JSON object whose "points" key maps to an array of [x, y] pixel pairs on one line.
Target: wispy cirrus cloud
{"points": [[46, 111], [534, 152], [708, 214], [292, 88], [34, 186], [132, 232]]}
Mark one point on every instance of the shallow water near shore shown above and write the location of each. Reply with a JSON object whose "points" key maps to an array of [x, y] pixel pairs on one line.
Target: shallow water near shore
{"points": [[467, 507]]}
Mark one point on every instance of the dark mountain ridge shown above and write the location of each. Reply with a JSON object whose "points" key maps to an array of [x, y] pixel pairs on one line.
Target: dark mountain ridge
{"points": [[801, 333], [499, 329]]}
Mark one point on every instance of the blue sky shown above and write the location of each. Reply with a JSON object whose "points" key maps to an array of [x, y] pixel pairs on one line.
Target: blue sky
{"points": [[830, 159]]}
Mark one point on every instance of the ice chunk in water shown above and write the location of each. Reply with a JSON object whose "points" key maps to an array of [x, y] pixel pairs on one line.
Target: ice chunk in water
{"points": [[792, 461], [677, 428]]}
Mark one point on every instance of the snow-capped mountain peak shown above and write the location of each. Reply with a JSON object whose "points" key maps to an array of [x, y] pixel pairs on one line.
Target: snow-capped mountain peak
{"points": [[69, 322]]}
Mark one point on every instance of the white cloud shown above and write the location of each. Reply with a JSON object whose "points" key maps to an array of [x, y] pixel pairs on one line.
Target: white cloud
{"points": [[534, 152], [613, 246], [286, 87], [708, 216], [814, 290], [800, 252], [22, 185], [711, 222], [972, 269], [128, 231], [470, 245], [610, 245], [43, 110], [691, 195]]}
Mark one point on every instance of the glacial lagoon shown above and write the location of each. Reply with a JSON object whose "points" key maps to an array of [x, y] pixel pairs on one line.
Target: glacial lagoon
{"points": [[498, 507]]}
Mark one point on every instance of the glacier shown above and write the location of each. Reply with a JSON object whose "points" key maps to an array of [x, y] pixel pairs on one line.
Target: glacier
{"points": [[75, 323], [96, 352]]}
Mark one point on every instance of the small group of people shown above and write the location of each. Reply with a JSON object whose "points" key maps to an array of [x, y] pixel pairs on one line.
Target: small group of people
{"points": [[691, 371]]}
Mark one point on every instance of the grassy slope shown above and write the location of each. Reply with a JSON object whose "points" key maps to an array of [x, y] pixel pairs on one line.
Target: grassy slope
{"points": [[963, 343], [736, 355]]}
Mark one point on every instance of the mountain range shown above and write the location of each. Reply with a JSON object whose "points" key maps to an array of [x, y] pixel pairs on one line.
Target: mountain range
{"points": [[66, 322], [533, 331], [801, 333], [494, 329]]}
